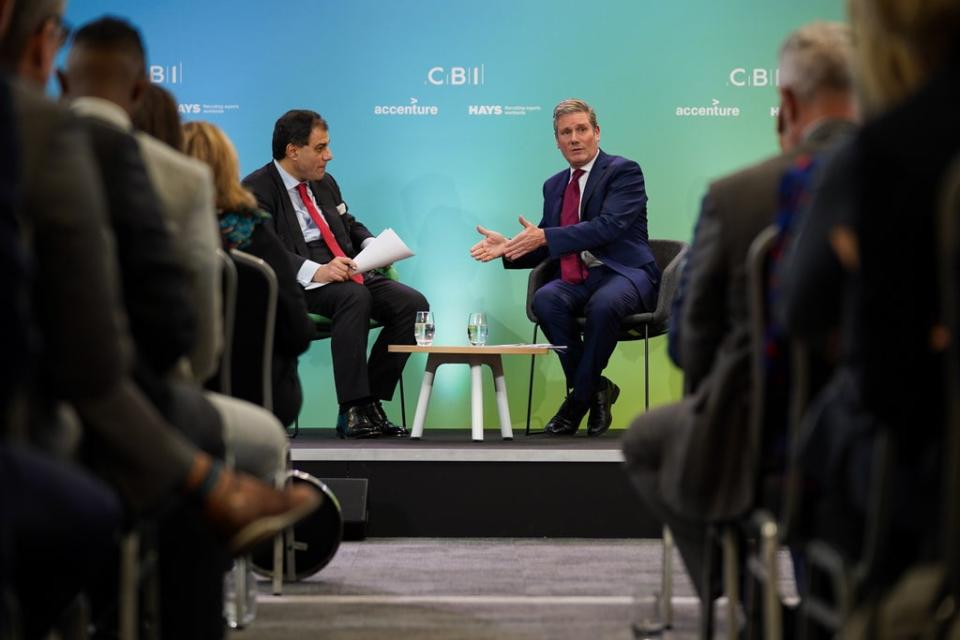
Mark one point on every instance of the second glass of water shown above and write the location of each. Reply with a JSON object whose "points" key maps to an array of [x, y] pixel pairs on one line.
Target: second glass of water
{"points": [[424, 329], [477, 329]]}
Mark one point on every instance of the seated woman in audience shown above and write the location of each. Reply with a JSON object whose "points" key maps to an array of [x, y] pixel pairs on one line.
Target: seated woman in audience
{"points": [[241, 227]]}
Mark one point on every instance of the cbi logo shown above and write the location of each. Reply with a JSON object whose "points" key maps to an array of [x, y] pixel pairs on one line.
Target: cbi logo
{"points": [[163, 74], [757, 77], [456, 76]]}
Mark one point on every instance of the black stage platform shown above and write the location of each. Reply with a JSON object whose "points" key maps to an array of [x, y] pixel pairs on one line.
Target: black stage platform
{"points": [[446, 485]]}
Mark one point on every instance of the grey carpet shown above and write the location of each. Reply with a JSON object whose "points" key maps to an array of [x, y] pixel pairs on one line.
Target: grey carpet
{"points": [[478, 589]]}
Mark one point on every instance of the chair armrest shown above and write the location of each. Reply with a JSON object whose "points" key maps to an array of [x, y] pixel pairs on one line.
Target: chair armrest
{"points": [[389, 271]]}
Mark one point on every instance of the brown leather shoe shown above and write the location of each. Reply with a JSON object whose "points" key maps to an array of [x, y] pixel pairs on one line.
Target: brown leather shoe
{"points": [[246, 511]]}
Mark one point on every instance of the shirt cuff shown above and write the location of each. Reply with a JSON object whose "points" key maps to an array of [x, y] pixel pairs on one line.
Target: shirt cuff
{"points": [[307, 270]]}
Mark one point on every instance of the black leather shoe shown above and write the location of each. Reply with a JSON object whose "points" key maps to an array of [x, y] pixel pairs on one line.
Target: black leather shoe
{"points": [[600, 416], [379, 418], [568, 418], [355, 423]]}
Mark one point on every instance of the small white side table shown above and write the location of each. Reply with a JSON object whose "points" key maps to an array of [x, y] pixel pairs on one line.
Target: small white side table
{"points": [[490, 355]]}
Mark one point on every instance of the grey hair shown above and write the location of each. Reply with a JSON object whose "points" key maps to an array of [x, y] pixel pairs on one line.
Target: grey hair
{"points": [[25, 20], [817, 57], [572, 105]]}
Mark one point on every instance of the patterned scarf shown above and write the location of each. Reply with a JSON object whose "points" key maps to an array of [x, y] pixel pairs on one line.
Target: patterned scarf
{"points": [[237, 227]]}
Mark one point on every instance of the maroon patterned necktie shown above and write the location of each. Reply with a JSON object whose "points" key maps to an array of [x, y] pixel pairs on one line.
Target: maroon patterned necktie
{"points": [[572, 269], [324, 228]]}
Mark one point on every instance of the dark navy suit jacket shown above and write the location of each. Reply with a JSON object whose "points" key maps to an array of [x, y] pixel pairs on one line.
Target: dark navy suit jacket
{"points": [[612, 227]]}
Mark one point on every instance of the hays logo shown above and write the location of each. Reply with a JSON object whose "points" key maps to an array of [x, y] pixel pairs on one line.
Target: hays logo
{"points": [[485, 110], [161, 74], [456, 76], [188, 108], [758, 77]]}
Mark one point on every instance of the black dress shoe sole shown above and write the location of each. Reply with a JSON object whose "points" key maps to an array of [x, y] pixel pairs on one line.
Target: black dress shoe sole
{"points": [[561, 432], [362, 435]]}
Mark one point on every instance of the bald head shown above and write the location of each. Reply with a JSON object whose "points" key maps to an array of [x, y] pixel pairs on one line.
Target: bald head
{"points": [[106, 61]]}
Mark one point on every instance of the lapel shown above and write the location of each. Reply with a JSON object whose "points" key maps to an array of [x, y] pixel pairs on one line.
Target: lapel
{"points": [[556, 198], [330, 214], [288, 217], [596, 175]]}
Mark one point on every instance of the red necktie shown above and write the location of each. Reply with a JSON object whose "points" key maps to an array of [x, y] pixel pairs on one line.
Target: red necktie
{"points": [[572, 269], [324, 228]]}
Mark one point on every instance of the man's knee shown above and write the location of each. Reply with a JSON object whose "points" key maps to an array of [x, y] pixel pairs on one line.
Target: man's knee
{"points": [[607, 309], [648, 436], [355, 299], [547, 302], [415, 301]]}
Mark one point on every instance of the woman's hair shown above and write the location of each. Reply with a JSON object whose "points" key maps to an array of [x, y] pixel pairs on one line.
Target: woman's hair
{"points": [[899, 45], [157, 115], [207, 142]]}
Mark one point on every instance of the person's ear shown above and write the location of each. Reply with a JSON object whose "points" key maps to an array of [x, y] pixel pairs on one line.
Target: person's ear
{"points": [[788, 107], [137, 91]]}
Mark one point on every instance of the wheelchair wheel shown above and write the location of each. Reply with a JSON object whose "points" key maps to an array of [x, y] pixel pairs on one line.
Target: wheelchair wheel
{"points": [[311, 543]]}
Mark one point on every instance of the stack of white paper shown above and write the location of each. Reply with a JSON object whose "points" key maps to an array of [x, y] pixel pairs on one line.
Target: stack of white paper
{"points": [[384, 250]]}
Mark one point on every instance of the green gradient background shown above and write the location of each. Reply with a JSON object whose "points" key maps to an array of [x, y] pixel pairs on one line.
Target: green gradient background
{"points": [[434, 178]]}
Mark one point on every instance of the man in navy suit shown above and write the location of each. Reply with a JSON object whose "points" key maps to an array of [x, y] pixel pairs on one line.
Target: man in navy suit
{"points": [[595, 226]]}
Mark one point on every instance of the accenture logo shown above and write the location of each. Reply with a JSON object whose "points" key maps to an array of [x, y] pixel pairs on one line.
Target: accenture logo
{"points": [[412, 109], [713, 111]]}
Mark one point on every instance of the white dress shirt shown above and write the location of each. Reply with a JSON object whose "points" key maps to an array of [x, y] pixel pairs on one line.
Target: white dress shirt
{"points": [[309, 228]]}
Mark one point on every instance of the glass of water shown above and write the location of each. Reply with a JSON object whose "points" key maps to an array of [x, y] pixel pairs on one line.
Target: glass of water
{"points": [[477, 329], [423, 328]]}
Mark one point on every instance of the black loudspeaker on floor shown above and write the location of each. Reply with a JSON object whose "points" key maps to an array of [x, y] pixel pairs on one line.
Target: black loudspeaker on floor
{"points": [[351, 493]]}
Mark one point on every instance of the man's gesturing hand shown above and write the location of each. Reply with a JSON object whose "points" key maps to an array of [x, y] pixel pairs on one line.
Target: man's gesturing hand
{"points": [[532, 237], [337, 270], [490, 247]]}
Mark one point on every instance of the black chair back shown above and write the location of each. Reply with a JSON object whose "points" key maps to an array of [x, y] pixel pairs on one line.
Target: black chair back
{"points": [[253, 328], [220, 381], [758, 270], [949, 226]]}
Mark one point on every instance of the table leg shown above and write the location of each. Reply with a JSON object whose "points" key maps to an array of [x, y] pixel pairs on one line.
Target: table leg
{"points": [[425, 388], [503, 408], [476, 402]]}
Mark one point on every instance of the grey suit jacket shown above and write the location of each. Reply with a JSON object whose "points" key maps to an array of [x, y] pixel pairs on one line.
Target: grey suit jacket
{"points": [[704, 472], [714, 317], [186, 192], [87, 348]]}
